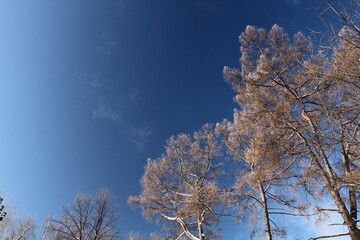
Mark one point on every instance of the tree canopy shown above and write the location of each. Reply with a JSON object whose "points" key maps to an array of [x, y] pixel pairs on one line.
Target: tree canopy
{"points": [[294, 137]]}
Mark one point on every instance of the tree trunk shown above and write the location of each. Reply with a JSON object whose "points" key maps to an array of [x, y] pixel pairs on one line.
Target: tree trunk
{"points": [[353, 203], [330, 182], [354, 231], [200, 228], [266, 212], [352, 190]]}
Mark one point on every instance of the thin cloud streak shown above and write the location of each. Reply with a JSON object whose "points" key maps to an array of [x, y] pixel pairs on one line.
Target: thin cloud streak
{"points": [[133, 95], [94, 84], [107, 46], [293, 2], [102, 112], [139, 136]]}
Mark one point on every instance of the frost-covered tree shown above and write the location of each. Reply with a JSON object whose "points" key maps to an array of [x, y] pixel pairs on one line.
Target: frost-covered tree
{"points": [[265, 171], [180, 188], [313, 98]]}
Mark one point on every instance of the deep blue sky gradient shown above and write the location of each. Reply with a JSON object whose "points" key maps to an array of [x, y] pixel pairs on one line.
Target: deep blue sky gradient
{"points": [[90, 89]]}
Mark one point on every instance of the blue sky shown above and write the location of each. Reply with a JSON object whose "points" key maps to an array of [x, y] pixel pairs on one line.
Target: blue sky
{"points": [[90, 89]]}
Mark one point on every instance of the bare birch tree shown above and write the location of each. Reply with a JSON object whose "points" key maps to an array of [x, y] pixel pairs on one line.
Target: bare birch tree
{"points": [[313, 97], [180, 188], [12, 228], [88, 218]]}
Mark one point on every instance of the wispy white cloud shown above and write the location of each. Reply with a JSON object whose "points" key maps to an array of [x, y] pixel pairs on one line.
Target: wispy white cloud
{"points": [[95, 95], [103, 106], [139, 136], [133, 95], [102, 112], [107, 46], [293, 2], [210, 6], [94, 84]]}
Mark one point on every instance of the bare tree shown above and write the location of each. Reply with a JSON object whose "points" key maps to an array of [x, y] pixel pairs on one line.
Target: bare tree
{"points": [[180, 187], [337, 15], [311, 96], [12, 228], [88, 218]]}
